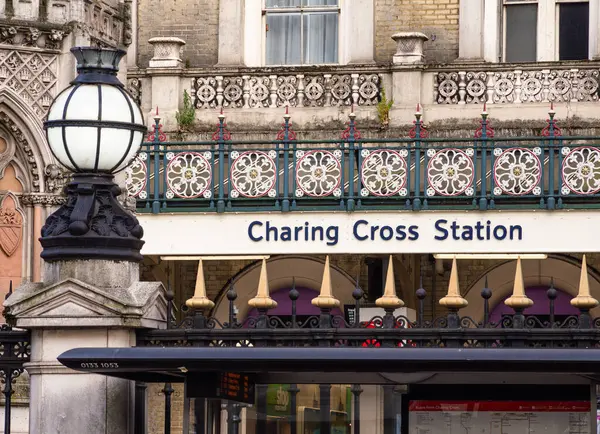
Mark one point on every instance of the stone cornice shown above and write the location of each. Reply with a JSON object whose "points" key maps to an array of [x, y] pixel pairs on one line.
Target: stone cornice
{"points": [[32, 34]]}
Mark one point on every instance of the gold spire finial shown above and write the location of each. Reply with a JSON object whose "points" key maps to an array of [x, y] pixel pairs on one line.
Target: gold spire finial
{"points": [[263, 300], [389, 300], [518, 299], [325, 300], [453, 299], [584, 300], [200, 300]]}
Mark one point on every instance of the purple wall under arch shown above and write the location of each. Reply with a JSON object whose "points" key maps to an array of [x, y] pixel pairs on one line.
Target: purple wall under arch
{"points": [[303, 304], [541, 304]]}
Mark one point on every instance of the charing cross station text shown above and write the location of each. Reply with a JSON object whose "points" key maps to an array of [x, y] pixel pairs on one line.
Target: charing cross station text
{"points": [[364, 230]]}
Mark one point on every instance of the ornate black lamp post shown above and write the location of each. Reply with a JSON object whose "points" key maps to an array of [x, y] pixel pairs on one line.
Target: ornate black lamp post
{"points": [[94, 129]]}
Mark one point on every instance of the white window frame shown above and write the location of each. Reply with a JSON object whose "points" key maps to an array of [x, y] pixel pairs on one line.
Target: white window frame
{"points": [[482, 25], [356, 43], [301, 10]]}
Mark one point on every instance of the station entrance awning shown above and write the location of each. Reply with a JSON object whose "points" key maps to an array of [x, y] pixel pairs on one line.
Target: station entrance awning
{"points": [[325, 365]]}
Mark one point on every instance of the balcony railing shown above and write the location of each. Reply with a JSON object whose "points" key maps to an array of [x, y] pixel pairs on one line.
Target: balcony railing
{"points": [[549, 171]]}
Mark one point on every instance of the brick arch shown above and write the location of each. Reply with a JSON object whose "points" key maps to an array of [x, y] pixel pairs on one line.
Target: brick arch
{"points": [[307, 272], [564, 272]]}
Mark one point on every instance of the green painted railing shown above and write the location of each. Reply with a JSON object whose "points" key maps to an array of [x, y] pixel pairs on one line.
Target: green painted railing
{"points": [[549, 171]]}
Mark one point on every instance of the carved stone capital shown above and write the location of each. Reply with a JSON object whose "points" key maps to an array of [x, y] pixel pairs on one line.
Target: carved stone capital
{"points": [[167, 52], [409, 47]]}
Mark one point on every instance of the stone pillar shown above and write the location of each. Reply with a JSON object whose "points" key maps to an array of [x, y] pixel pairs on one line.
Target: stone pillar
{"points": [[231, 33], [358, 24], [594, 29], [165, 69], [470, 32], [85, 303]]}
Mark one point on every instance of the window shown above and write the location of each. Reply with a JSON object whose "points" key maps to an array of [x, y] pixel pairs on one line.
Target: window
{"points": [[520, 23], [524, 20], [301, 32], [573, 33]]}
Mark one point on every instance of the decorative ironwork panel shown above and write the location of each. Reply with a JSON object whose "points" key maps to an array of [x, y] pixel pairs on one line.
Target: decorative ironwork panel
{"points": [[516, 86], [318, 173], [262, 91], [383, 172], [31, 75], [136, 176], [517, 171], [253, 174], [450, 172], [189, 175], [581, 170]]}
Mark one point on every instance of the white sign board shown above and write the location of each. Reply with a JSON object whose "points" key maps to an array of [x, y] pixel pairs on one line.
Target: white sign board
{"points": [[499, 417], [371, 232]]}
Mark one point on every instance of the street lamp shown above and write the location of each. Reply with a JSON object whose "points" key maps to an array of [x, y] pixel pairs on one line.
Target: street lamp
{"points": [[94, 129]]}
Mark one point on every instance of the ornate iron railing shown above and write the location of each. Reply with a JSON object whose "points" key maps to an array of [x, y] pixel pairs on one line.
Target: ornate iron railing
{"points": [[15, 351], [549, 171], [515, 330]]}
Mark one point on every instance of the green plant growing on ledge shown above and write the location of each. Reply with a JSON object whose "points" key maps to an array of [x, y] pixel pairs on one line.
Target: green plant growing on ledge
{"points": [[383, 109], [187, 116]]}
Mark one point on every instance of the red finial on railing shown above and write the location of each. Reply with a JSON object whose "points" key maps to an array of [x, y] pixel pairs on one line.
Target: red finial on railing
{"points": [[551, 129], [484, 112], [157, 134], [286, 133], [485, 131], [418, 112], [222, 134], [418, 131]]}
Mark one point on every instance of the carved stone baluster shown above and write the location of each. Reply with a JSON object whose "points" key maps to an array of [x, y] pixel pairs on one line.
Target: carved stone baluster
{"points": [[273, 89], [219, 79], [545, 85], [327, 78], [436, 91], [246, 90], [489, 86], [300, 78], [355, 88], [462, 87], [574, 85], [518, 84]]}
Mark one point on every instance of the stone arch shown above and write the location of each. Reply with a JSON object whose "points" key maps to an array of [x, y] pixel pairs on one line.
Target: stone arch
{"points": [[307, 272], [19, 122], [564, 272]]}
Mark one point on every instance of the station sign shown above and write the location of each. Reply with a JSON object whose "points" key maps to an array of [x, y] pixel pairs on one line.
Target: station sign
{"points": [[370, 232]]}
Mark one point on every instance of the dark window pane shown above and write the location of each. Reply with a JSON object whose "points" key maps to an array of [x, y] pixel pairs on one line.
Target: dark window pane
{"points": [[320, 38], [521, 30], [574, 31], [283, 39]]}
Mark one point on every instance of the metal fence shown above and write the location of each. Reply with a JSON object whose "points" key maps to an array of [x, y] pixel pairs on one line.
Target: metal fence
{"points": [[549, 171]]}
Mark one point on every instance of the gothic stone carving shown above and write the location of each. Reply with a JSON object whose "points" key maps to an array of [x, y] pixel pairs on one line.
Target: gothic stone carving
{"points": [[106, 25], [50, 39], [56, 178], [23, 144], [11, 227], [32, 75]]}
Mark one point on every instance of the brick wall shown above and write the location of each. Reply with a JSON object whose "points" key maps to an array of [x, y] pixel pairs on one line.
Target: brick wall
{"points": [[438, 19], [194, 21]]}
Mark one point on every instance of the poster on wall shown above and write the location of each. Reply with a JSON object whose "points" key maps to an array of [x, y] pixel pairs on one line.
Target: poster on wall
{"points": [[499, 417]]}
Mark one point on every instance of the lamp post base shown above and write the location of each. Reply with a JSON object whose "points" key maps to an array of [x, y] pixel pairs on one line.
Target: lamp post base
{"points": [[92, 224]]}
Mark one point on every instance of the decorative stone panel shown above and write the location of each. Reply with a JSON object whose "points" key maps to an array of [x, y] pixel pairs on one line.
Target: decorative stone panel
{"points": [[32, 75], [22, 36], [300, 90], [516, 86]]}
